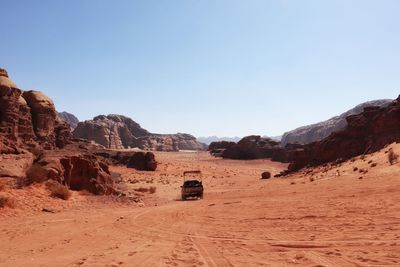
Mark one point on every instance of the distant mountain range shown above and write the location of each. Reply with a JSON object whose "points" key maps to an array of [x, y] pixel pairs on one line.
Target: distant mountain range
{"points": [[209, 139]]}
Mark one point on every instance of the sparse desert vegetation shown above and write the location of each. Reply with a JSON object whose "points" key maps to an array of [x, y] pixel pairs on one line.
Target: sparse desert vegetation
{"points": [[151, 189], [7, 201], [58, 190], [392, 156]]}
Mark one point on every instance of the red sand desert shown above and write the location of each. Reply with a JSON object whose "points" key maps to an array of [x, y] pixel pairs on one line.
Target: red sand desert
{"points": [[325, 216]]}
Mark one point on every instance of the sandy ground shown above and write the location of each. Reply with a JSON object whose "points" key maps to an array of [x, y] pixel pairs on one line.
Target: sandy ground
{"points": [[328, 216]]}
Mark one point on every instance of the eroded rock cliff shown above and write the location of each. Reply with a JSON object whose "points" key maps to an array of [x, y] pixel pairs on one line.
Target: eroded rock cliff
{"points": [[118, 132]]}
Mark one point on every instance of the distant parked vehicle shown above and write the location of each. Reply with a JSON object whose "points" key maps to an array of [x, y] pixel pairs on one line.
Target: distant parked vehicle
{"points": [[192, 185]]}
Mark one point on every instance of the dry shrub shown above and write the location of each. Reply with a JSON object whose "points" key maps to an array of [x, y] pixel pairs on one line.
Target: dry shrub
{"points": [[152, 189], [35, 174], [392, 157], [6, 201], [58, 190], [142, 189], [355, 169]]}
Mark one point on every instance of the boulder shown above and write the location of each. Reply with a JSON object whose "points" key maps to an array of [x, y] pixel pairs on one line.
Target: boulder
{"points": [[265, 175]]}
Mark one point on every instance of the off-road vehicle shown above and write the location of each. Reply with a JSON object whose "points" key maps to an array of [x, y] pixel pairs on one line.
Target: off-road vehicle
{"points": [[192, 185]]}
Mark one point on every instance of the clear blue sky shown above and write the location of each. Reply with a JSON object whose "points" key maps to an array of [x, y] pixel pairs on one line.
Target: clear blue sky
{"points": [[222, 67]]}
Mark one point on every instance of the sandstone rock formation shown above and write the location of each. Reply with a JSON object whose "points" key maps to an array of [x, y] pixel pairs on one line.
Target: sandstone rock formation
{"points": [[217, 148], [139, 160], [118, 132], [28, 119], [318, 131], [366, 132], [112, 131], [5, 81], [255, 147], [221, 145], [168, 142], [32, 135], [68, 118], [78, 169]]}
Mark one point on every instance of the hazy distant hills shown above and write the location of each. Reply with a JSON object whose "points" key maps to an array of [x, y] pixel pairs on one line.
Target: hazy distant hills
{"points": [[209, 139], [318, 131]]}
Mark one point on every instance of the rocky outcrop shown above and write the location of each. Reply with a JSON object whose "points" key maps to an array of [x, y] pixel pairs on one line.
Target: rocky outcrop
{"points": [[366, 132], [5, 81], [79, 169], [34, 142], [69, 118], [139, 160], [112, 131], [220, 145], [256, 147], [321, 130], [168, 142], [28, 119], [118, 132], [218, 148]]}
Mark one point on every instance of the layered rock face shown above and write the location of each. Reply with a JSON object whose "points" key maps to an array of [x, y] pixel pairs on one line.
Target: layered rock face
{"points": [[68, 118], [168, 142], [33, 139], [321, 130], [112, 131], [366, 132], [256, 147], [77, 168], [28, 119], [118, 132]]}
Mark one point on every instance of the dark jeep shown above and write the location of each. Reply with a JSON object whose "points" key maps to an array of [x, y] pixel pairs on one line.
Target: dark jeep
{"points": [[192, 186]]}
